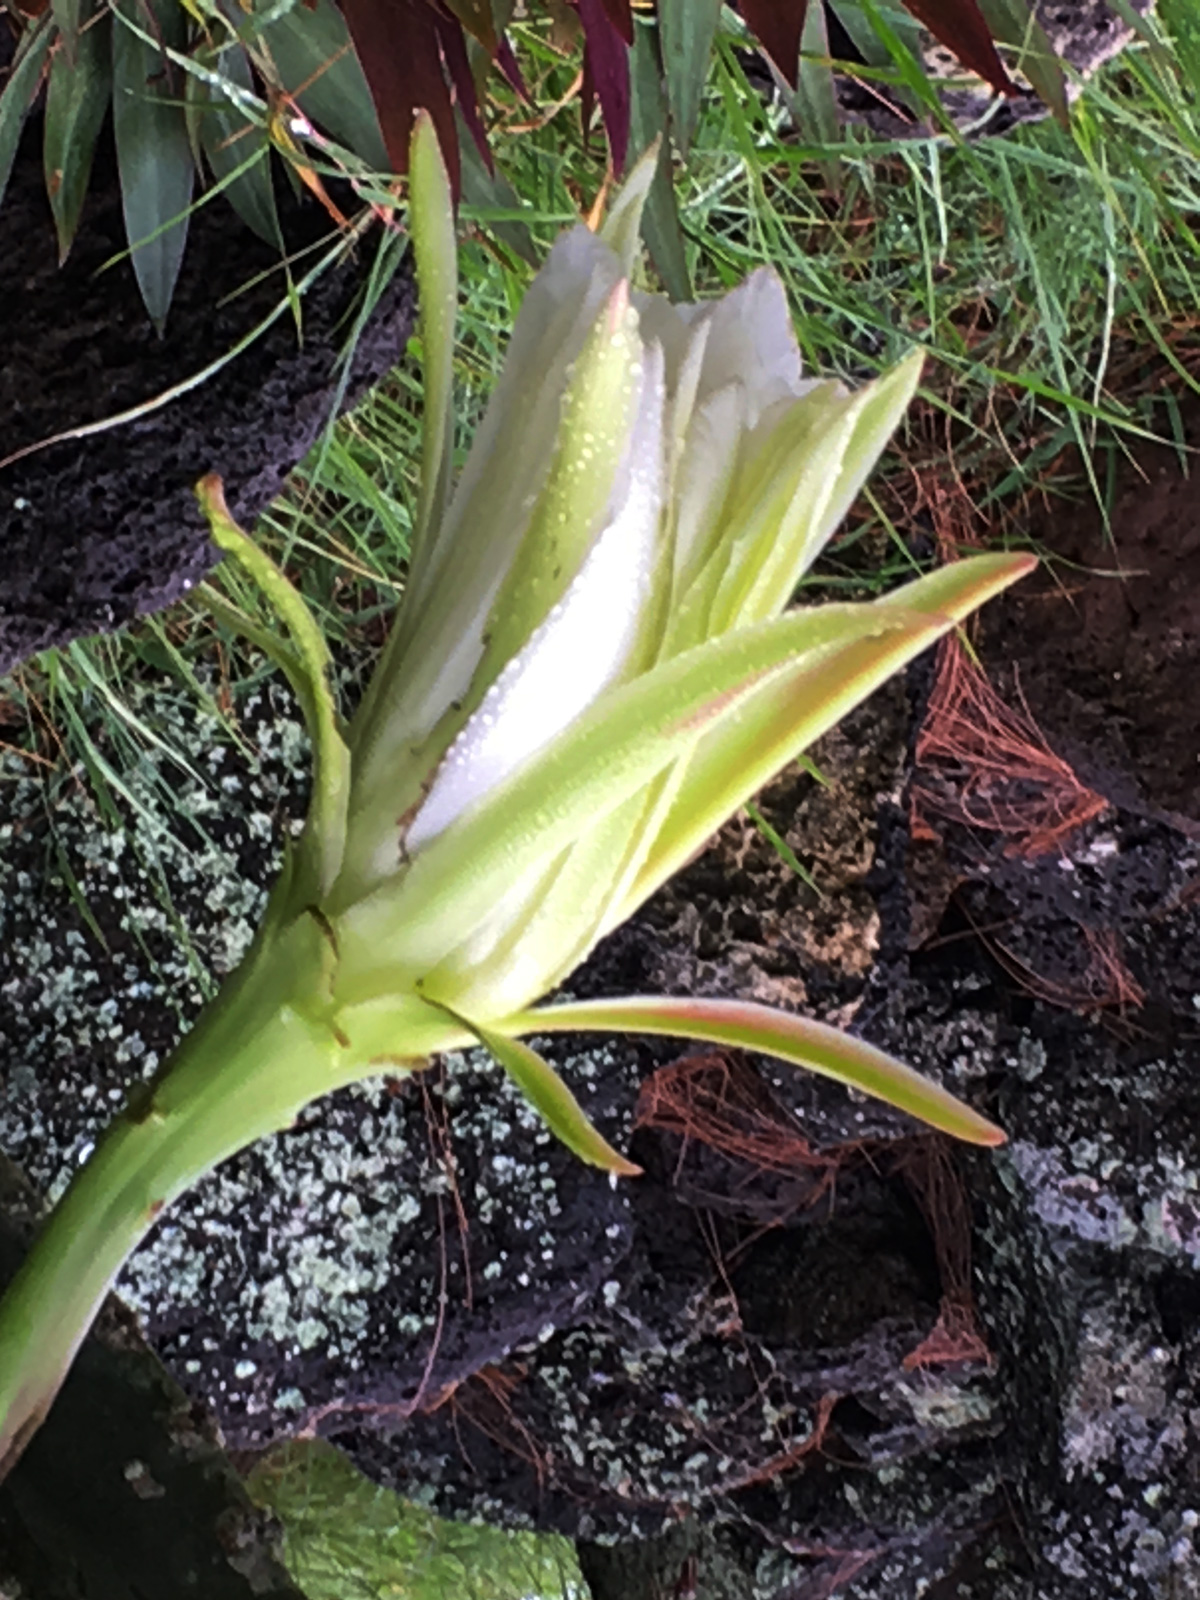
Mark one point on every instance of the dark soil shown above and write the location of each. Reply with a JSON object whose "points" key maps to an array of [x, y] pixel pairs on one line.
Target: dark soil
{"points": [[101, 529], [1105, 642]]}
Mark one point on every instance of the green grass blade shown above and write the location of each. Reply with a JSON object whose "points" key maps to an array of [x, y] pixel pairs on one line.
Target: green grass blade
{"points": [[814, 101], [1014, 24], [686, 31]]}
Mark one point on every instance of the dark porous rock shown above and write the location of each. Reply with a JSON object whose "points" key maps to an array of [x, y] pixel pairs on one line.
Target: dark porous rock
{"points": [[125, 1494], [99, 529]]}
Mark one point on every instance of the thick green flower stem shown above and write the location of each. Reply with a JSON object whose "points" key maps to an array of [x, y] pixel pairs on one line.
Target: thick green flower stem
{"points": [[257, 1056]]}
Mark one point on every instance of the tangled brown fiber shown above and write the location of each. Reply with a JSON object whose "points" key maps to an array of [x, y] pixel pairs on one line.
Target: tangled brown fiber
{"points": [[983, 763]]}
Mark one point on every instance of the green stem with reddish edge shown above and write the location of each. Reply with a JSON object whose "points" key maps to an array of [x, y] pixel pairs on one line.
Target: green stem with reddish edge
{"points": [[742, 1025], [261, 1051]]}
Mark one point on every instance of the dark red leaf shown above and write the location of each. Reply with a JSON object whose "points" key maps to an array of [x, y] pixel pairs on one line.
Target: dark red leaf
{"points": [[587, 102], [398, 44], [620, 14], [606, 69], [961, 27], [777, 25], [458, 65], [507, 61]]}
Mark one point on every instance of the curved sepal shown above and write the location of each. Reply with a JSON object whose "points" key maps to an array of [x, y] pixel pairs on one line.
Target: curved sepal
{"points": [[802, 1042], [308, 667], [552, 1100], [431, 222]]}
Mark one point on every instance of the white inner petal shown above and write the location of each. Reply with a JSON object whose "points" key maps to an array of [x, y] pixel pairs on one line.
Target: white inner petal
{"points": [[582, 647]]}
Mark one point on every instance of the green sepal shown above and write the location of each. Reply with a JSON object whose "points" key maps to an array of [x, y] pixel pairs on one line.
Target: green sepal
{"points": [[628, 736], [551, 1099], [800, 1041], [431, 223], [738, 756], [309, 669]]}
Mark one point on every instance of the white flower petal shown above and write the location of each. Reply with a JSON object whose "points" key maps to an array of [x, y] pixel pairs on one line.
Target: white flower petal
{"points": [[445, 611], [752, 342], [585, 644]]}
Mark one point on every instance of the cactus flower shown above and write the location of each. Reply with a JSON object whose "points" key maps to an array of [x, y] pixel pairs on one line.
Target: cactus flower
{"points": [[593, 667]]}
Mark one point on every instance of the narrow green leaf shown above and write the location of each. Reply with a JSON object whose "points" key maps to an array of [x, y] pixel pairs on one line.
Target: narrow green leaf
{"points": [[315, 62], [904, 51], [69, 15], [431, 222], [686, 31], [802, 1042], [153, 155], [815, 99], [1014, 24], [238, 150], [76, 102], [487, 193], [552, 1100], [874, 50], [866, 38], [18, 92], [309, 667], [661, 227]]}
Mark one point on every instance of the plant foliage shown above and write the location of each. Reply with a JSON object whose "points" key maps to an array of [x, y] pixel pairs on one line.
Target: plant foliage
{"points": [[207, 88]]}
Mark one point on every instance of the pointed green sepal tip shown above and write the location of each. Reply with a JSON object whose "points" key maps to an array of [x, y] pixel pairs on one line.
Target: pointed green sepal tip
{"points": [[431, 223], [551, 1099], [622, 229]]}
